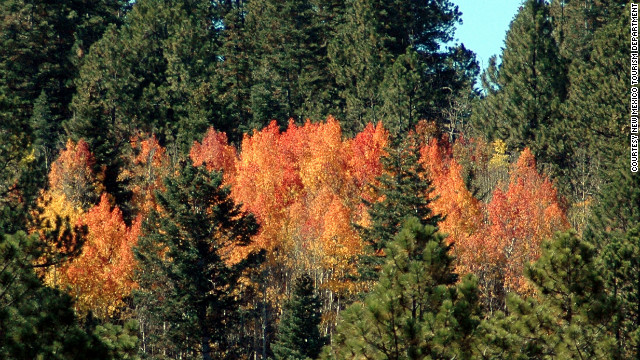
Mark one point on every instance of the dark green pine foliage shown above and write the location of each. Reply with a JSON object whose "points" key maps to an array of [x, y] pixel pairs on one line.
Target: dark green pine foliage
{"points": [[620, 261], [417, 310], [617, 209], [358, 59], [598, 98], [42, 44], [288, 62], [155, 74], [567, 316], [37, 322], [298, 333], [405, 189], [234, 72], [185, 282], [45, 135], [524, 93], [120, 340], [388, 63]]}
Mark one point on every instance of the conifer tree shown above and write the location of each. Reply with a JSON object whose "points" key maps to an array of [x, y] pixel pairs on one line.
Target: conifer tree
{"points": [[298, 334], [155, 74], [416, 310], [399, 40], [404, 189], [36, 321], [620, 261], [566, 317], [184, 277], [525, 92], [288, 63]]}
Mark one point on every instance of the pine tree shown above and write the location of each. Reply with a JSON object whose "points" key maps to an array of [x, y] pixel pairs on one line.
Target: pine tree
{"points": [[288, 63], [620, 261], [565, 318], [399, 40], [525, 92], [155, 74], [36, 321], [404, 189], [298, 334], [184, 278], [416, 310]]}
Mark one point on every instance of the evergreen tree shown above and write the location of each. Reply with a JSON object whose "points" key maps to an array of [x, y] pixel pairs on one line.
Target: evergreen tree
{"points": [[405, 190], [598, 98], [621, 271], [525, 91], [416, 311], [298, 334], [155, 74], [617, 209], [185, 281], [37, 322], [288, 63], [41, 47], [566, 317], [400, 41]]}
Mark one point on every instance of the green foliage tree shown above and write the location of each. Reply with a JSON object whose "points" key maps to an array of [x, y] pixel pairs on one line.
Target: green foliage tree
{"points": [[416, 311], [404, 189], [41, 47], [566, 317], [185, 281], [121, 341], [288, 61], [155, 73], [37, 322], [524, 93], [398, 41], [298, 333]]}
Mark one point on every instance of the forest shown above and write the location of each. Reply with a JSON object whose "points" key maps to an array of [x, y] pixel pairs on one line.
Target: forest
{"points": [[315, 179]]}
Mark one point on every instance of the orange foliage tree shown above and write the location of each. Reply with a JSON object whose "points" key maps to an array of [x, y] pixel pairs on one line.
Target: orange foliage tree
{"points": [[304, 186], [496, 241], [102, 276], [73, 188], [520, 218], [463, 212], [148, 166], [73, 176]]}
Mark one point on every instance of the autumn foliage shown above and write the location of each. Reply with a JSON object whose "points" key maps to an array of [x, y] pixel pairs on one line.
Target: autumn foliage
{"points": [[307, 187], [102, 276], [73, 175], [495, 241], [304, 186]]}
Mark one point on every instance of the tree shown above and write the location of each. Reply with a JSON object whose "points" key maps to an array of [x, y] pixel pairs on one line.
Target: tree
{"points": [[73, 176], [566, 316], [298, 334], [387, 62], [416, 310], [154, 74], [288, 63], [525, 91], [185, 278], [621, 269], [42, 46], [37, 321], [404, 189], [463, 214], [101, 277]]}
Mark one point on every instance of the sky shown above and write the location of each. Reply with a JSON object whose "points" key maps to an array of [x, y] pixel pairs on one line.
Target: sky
{"points": [[484, 26]]}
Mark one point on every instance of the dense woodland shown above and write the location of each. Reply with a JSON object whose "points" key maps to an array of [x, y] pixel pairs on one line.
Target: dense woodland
{"points": [[320, 179]]}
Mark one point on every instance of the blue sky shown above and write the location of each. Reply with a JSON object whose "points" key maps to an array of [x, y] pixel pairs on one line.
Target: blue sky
{"points": [[484, 26]]}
